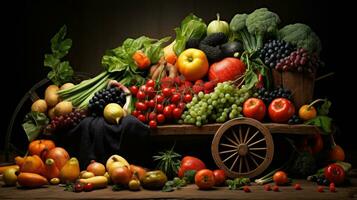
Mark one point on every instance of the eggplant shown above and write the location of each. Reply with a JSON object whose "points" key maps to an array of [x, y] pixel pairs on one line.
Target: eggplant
{"points": [[230, 49]]}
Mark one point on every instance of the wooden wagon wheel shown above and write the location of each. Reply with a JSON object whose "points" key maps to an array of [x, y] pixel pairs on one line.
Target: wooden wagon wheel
{"points": [[242, 148]]}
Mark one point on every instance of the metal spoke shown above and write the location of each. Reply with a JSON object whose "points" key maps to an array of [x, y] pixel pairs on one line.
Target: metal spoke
{"points": [[229, 139], [234, 163], [228, 151], [230, 157], [252, 137], [240, 164], [245, 137], [246, 164], [256, 155], [256, 142], [228, 145], [235, 136], [253, 159], [263, 148]]}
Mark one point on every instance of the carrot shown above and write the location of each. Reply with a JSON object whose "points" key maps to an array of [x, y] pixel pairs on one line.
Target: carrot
{"points": [[51, 169], [141, 60], [169, 54], [3, 168], [31, 180]]}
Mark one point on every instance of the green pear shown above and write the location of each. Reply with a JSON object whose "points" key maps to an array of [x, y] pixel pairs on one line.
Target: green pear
{"points": [[10, 176]]}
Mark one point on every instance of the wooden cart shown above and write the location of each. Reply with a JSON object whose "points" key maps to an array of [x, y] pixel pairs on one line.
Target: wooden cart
{"points": [[242, 146]]}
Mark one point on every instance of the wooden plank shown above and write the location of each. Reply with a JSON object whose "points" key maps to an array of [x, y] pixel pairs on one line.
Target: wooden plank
{"points": [[210, 129], [189, 192]]}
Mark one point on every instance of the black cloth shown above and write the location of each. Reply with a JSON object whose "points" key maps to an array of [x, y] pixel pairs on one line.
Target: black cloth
{"points": [[95, 139]]}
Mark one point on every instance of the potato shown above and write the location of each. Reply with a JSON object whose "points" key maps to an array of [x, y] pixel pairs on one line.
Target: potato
{"points": [[51, 95], [39, 105], [63, 108], [66, 86], [51, 113]]}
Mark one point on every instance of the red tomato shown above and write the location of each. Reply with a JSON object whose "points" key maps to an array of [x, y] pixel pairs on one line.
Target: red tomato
{"points": [[181, 105], [219, 177], [150, 83], [335, 174], [204, 179], [150, 91], [254, 108], [141, 106], [159, 108], [226, 69], [151, 103], [190, 163], [281, 110], [166, 92], [142, 88], [88, 187], [153, 124], [173, 90], [172, 106], [167, 111], [160, 118], [78, 187], [159, 98], [280, 178], [152, 116], [142, 118], [140, 95], [187, 98], [176, 113], [136, 113], [134, 90], [175, 98]]}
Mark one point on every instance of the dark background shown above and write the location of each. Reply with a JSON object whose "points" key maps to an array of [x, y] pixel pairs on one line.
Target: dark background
{"points": [[94, 26]]}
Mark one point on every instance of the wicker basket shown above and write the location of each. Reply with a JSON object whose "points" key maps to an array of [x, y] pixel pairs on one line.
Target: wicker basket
{"points": [[300, 84]]}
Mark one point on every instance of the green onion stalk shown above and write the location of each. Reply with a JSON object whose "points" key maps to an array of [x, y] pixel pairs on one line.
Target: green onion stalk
{"points": [[80, 94]]}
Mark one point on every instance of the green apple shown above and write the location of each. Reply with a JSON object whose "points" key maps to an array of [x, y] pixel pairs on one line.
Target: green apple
{"points": [[10, 176]]}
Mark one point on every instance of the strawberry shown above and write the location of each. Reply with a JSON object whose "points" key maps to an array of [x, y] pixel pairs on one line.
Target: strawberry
{"points": [[275, 188], [267, 187], [197, 88], [332, 187], [199, 82], [297, 186], [246, 189]]}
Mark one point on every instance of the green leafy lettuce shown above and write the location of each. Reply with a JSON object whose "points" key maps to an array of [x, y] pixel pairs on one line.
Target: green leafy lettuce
{"points": [[61, 72], [120, 58], [191, 27], [34, 123]]}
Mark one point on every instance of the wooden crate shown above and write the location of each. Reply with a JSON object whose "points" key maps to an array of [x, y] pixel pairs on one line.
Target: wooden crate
{"points": [[300, 84]]}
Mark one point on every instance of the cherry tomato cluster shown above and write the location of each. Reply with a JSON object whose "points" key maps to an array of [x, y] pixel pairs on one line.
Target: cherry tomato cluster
{"points": [[156, 105]]}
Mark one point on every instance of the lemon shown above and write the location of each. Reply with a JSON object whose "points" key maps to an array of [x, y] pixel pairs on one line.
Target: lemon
{"points": [[113, 113]]}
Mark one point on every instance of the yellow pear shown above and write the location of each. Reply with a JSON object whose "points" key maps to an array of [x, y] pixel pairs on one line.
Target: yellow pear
{"points": [[70, 171]]}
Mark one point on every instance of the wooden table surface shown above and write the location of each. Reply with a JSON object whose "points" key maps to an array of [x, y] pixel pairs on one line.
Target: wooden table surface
{"points": [[309, 191]]}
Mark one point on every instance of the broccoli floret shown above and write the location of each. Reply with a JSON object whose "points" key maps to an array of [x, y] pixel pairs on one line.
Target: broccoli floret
{"points": [[262, 22], [302, 36], [237, 24]]}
